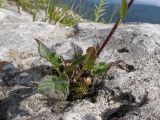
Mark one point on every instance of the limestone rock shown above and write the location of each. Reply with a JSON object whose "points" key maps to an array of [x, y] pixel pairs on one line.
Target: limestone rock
{"points": [[129, 95]]}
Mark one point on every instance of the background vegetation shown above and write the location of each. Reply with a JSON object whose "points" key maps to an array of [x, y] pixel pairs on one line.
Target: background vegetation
{"points": [[55, 10], [1, 3], [86, 9], [67, 12], [148, 13]]}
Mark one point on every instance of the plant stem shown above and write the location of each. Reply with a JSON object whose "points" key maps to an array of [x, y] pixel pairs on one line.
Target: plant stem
{"points": [[112, 31], [79, 74]]}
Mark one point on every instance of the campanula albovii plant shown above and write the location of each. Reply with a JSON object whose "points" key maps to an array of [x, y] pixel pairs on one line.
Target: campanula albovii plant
{"points": [[74, 78]]}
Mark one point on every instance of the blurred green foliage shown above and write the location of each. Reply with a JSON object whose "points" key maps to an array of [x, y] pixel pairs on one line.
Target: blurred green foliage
{"points": [[100, 10], [1, 3], [56, 11]]}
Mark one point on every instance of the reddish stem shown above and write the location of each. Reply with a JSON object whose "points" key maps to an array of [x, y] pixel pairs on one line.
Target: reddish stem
{"points": [[112, 31]]}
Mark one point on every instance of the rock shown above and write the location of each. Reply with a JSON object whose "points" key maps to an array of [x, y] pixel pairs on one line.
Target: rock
{"points": [[18, 30], [7, 72], [68, 50], [132, 93], [33, 107]]}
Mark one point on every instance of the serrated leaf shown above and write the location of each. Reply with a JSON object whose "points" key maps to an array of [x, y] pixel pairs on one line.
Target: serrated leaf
{"points": [[55, 87], [99, 68], [123, 9], [53, 58], [90, 58]]}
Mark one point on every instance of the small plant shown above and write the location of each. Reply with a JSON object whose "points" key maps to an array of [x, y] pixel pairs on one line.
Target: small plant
{"points": [[100, 10], [25, 5], [74, 79], [32, 7], [59, 12]]}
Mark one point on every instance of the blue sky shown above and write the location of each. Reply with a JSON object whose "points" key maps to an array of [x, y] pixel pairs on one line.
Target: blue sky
{"points": [[151, 2]]}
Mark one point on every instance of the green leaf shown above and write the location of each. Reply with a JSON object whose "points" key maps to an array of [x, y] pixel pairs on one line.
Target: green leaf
{"points": [[99, 68], [42, 49], [100, 10], [55, 87], [123, 9], [53, 58], [79, 60], [90, 58]]}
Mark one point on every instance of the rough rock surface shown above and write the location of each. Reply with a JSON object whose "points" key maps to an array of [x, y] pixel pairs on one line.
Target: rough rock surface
{"points": [[129, 94]]}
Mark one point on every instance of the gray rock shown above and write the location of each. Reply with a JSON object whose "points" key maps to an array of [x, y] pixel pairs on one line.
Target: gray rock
{"points": [[132, 93], [7, 72]]}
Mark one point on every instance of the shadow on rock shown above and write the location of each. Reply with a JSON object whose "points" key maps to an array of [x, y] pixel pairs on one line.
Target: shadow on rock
{"points": [[17, 86], [128, 105]]}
